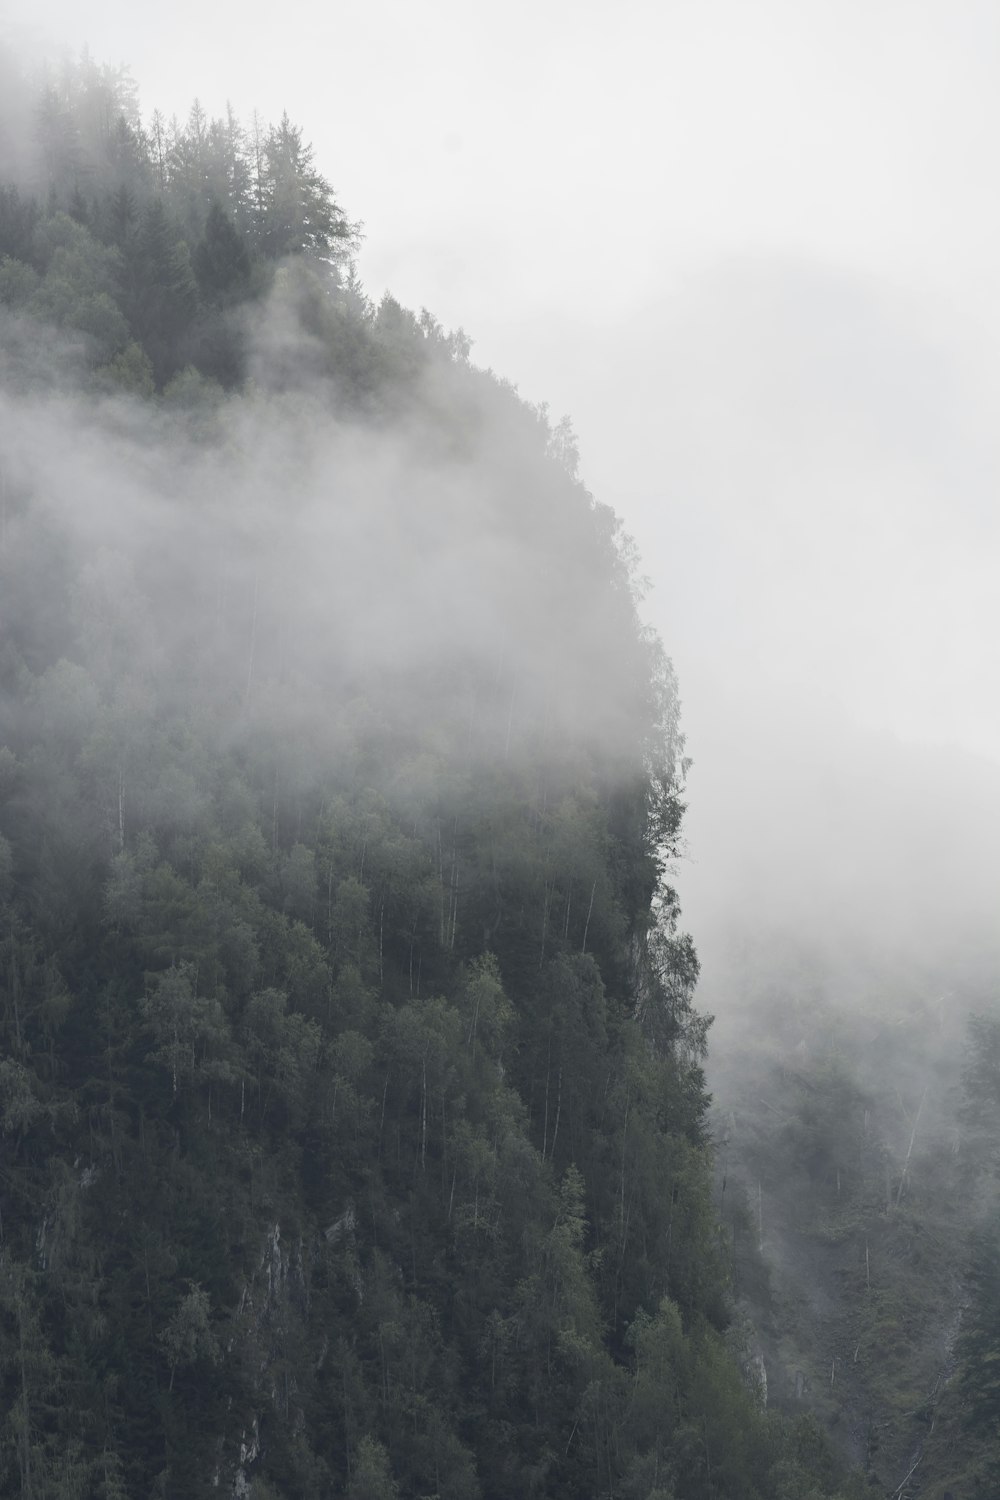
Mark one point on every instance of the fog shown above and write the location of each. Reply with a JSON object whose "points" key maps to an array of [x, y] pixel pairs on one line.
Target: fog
{"points": [[754, 266], [828, 469], [752, 255], [286, 571]]}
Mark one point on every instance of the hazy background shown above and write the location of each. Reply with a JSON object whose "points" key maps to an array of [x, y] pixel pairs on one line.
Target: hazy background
{"points": [[752, 251]]}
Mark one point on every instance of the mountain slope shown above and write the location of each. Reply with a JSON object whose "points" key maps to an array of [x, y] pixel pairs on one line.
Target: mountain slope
{"points": [[353, 1113]]}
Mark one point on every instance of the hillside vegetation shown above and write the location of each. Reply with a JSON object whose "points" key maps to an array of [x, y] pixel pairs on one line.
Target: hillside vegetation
{"points": [[354, 1132]]}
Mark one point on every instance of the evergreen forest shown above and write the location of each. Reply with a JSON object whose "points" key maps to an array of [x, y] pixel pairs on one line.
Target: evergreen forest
{"points": [[354, 1132]]}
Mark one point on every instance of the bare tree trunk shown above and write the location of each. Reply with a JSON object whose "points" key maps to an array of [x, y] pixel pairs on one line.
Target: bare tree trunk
{"points": [[586, 925], [909, 1153], [555, 1128], [381, 924]]}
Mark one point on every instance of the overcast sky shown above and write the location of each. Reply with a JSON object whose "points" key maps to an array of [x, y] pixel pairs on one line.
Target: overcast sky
{"points": [[752, 250]]}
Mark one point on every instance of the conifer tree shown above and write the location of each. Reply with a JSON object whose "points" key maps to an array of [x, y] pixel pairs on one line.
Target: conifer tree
{"points": [[221, 262]]}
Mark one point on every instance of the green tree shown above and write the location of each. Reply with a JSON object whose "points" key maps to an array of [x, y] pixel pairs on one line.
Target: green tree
{"points": [[296, 207], [371, 1476], [162, 293], [221, 262], [190, 1033], [188, 1337]]}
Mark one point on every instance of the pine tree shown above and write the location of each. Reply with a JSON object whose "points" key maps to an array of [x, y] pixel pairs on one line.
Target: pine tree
{"points": [[163, 292], [220, 259], [297, 211]]}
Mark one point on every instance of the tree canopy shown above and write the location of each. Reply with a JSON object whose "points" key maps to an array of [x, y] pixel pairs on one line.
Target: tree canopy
{"points": [[352, 1105]]}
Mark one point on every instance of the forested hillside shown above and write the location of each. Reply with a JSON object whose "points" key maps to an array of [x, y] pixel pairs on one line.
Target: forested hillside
{"points": [[855, 1111], [354, 1128]]}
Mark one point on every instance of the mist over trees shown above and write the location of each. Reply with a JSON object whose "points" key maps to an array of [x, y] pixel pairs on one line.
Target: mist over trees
{"points": [[355, 1135], [142, 237], [855, 998]]}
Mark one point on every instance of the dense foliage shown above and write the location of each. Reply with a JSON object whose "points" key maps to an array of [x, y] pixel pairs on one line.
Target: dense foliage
{"points": [[145, 240], [352, 1108]]}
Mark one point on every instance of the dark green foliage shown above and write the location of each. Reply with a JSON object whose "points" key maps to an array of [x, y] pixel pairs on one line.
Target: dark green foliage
{"points": [[857, 1182], [351, 1093], [220, 259], [195, 219], [161, 294], [18, 219], [293, 208], [979, 1345]]}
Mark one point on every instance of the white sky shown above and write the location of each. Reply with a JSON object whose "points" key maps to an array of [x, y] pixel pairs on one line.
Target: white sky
{"points": [[751, 248]]}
